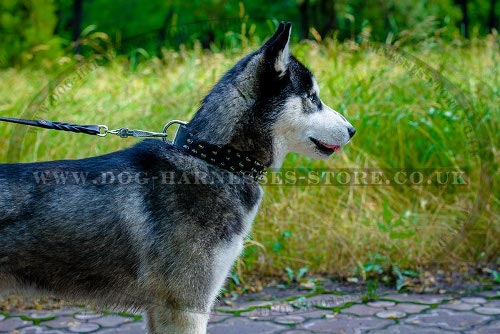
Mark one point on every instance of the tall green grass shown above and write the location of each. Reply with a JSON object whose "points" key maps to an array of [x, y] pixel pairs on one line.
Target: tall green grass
{"points": [[402, 122]]}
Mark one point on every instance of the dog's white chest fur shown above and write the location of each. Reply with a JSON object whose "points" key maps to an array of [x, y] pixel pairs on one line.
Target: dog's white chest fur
{"points": [[227, 252]]}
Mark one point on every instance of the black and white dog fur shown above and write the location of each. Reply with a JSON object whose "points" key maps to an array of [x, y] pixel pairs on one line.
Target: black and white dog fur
{"points": [[164, 247]]}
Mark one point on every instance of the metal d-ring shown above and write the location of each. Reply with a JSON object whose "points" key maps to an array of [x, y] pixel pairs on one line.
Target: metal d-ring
{"points": [[175, 121], [103, 130]]}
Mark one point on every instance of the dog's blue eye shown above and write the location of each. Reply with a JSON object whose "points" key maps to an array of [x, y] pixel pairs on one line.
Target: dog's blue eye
{"points": [[311, 97]]}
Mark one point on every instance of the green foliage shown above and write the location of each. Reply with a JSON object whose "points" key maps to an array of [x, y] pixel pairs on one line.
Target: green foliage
{"points": [[26, 32], [495, 275], [375, 266], [154, 24], [301, 273], [371, 290], [279, 245], [401, 276], [379, 267], [290, 274], [293, 277], [135, 57], [400, 227], [234, 277], [30, 30], [233, 285]]}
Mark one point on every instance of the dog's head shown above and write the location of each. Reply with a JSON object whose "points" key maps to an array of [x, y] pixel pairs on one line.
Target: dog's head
{"points": [[269, 104]]}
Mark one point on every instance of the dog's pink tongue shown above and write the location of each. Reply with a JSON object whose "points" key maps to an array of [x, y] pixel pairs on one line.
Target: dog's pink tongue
{"points": [[333, 147]]}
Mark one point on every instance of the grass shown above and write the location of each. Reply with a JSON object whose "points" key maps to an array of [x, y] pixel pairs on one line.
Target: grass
{"points": [[402, 122]]}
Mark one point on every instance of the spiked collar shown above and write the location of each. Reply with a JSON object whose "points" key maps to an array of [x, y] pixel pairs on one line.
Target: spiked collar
{"points": [[222, 156]]}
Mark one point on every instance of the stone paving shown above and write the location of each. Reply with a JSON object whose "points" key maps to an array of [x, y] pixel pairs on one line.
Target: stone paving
{"points": [[325, 313]]}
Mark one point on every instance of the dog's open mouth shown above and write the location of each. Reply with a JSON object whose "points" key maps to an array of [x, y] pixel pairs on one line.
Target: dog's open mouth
{"points": [[324, 147]]}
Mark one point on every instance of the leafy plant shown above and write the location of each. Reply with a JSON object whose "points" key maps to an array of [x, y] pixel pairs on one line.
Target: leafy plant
{"points": [[495, 275], [375, 266], [279, 245], [233, 284], [378, 268], [293, 277], [396, 227], [401, 276], [135, 56], [371, 290]]}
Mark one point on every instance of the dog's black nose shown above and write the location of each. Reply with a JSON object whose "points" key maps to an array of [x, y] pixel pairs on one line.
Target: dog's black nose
{"points": [[351, 131]]}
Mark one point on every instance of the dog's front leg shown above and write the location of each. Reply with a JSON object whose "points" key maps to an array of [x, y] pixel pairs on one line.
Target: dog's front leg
{"points": [[175, 321]]}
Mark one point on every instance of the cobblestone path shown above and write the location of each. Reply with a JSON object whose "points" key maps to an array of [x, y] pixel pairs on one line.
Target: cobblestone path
{"points": [[325, 313]]}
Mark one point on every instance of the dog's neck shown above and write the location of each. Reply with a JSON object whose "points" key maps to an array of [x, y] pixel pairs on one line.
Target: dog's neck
{"points": [[234, 122], [250, 139]]}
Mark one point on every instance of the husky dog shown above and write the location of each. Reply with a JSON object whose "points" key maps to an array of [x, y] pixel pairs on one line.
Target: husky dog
{"points": [[166, 247]]}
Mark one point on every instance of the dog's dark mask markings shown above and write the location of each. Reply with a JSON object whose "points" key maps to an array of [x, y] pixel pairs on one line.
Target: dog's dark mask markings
{"points": [[162, 241]]}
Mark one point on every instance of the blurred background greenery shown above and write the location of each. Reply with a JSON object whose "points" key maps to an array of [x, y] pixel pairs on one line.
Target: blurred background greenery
{"points": [[140, 63], [45, 28]]}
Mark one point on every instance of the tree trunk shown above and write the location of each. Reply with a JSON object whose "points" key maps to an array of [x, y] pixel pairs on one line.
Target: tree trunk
{"points": [[492, 22], [464, 26], [162, 35], [77, 23], [328, 11], [304, 18]]}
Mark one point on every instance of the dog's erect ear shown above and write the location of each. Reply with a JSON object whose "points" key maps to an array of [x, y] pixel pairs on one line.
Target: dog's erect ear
{"points": [[278, 32], [276, 49]]}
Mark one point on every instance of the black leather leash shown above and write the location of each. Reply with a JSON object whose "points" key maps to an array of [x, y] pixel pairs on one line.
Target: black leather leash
{"points": [[225, 157], [97, 130], [42, 123]]}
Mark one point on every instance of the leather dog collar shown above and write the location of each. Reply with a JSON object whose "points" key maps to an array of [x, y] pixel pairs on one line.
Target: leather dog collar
{"points": [[225, 157]]}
